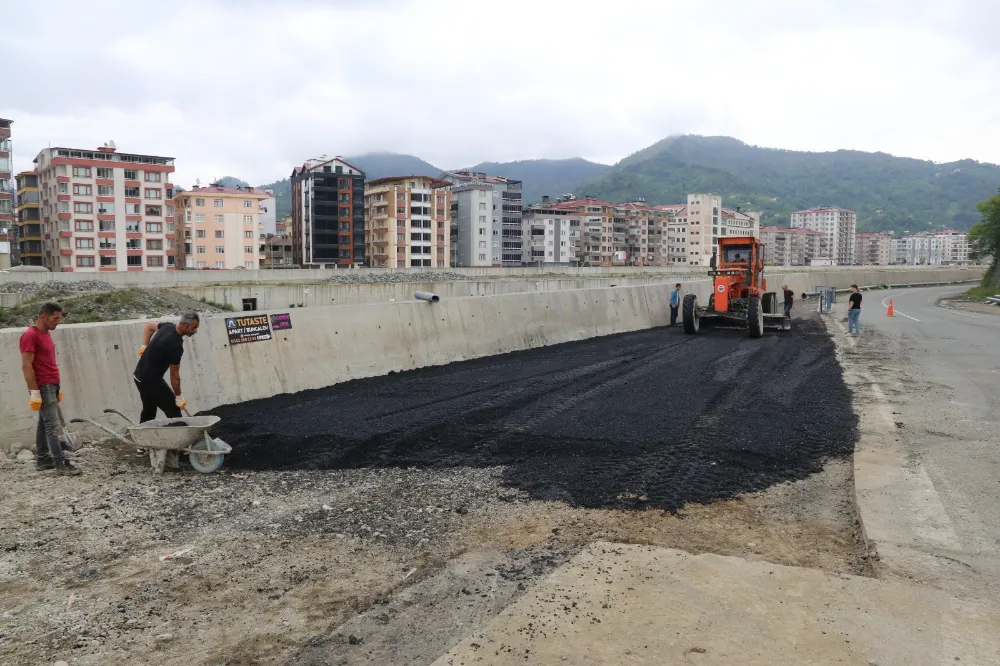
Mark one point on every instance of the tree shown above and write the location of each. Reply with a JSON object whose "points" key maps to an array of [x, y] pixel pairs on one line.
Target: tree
{"points": [[984, 237]]}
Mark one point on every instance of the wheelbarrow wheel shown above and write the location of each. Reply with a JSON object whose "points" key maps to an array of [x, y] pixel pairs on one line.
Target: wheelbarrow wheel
{"points": [[206, 463]]}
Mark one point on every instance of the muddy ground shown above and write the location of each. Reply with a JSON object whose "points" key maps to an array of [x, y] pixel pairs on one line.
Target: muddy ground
{"points": [[382, 520]]}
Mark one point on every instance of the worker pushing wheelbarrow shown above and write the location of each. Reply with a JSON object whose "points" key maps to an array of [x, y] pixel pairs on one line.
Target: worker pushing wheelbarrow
{"points": [[166, 439]]}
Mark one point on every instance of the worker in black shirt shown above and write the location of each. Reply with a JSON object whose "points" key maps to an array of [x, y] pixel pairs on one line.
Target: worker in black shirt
{"points": [[854, 312], [162, 348], [789, 300]]}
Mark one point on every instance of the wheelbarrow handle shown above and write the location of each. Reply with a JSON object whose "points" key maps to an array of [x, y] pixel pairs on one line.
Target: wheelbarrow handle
{"points": [[99, 426], [115, 411]]}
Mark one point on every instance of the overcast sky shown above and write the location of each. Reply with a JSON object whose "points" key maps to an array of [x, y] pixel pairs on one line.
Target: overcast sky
{"points": [[252, 87]]}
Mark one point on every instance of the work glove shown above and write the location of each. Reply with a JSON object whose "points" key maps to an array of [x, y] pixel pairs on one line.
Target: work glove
{"points": [[60, 396], [180, 402], [141, 349], [35, 401]]}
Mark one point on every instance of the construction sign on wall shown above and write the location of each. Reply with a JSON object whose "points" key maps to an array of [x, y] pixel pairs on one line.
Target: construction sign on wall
{"points": [[248, 329]]}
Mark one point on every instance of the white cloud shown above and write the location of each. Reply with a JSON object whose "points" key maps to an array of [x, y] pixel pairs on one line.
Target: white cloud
{"points": [[250, 88]]}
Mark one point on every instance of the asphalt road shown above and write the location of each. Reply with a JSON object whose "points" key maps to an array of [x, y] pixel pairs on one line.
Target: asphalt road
{"points": [[946, 403], [649, 419]]}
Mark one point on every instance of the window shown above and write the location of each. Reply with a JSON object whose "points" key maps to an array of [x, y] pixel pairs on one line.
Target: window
{"points": [[247, 203], [131, 174], [85, 243], [220, 264], [248, 249], [154, 211], [219, 233], [218, 203], [482, 257], [133, 244], [109, 262], [84, 225], [132, 209], [247, 234], [106, 173], [220, 249], [134, 261], [154, 262], [63, 206], [200, 233], [83, 207], [199, 217], [154, 228], [152, 176], [248, 265], [106, 225], [482, 205], [219, 219], [63, 188], [104, 208], [248, 219], [81, 172], [154, 194], [202, 264], [83, 190], [85, 262], [132, 192], [154, 244], [199, 202], [482, 232], [187, 216], [105, 190], [200, 249], [107, 244]]}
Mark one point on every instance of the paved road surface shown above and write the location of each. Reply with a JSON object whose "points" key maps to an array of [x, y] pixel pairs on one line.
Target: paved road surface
{"points": [[939, 369], [648, 419]]}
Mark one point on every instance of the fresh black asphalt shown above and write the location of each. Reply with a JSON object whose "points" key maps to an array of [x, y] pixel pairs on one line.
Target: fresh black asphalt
{"points": [[649, 419]]}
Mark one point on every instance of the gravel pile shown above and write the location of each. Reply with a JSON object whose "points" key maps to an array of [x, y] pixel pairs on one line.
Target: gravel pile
{"points": [[108, 305], [59, 286], [355, 277]]}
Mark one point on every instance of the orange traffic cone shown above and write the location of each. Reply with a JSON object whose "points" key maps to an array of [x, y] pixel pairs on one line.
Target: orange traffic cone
{"points": [[890, 312]]}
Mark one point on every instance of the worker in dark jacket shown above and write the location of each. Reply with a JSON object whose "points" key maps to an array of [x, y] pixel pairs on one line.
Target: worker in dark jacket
{"points": [[162, 349], [789, 300]]}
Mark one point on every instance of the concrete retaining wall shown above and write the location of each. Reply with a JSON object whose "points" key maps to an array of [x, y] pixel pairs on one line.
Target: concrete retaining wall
{"points": [[328, 345]]}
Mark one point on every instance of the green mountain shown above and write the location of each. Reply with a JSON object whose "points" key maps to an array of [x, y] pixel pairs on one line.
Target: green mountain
{"points": [[541, 177], [888, 193]]}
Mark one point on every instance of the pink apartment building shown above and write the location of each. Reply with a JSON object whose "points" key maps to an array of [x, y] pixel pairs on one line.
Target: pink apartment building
{"points": [[220, 226], [106, 211]]}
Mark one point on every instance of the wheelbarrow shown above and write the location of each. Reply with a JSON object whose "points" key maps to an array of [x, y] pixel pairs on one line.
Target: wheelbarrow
{"points": [[166, 439]]}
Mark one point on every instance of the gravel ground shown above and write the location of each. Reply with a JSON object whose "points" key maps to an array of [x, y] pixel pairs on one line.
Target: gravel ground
{"points": [[106, 305], [389, 548], [396, 276], [56, 286]]}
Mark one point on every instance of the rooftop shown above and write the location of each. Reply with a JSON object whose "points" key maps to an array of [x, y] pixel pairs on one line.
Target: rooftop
{"points": [[387, 180], [823, 209], [788, 230], [478, 175], [218, 189], [308, 165]]}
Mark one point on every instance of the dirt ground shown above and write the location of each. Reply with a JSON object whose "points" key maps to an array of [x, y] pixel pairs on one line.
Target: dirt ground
{"points": [[373, 564]]}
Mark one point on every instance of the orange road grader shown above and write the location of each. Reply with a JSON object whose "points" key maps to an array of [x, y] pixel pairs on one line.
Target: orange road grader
{"points": [[739, 297]]}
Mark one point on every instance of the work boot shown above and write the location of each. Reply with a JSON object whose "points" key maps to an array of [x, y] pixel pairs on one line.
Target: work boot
{"points": [[44, 462], [65, 468]]}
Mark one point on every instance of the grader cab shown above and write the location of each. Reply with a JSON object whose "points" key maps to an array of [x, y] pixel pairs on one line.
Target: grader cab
{"points": [[739, 297]]}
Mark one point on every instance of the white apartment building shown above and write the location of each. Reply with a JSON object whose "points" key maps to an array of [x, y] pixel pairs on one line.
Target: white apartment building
{"points": [[551, 234], [839, 226], [694, 232], [931, 248], [873, 249], [792, 247], [476, 230], [106, 211], [503, 214]]}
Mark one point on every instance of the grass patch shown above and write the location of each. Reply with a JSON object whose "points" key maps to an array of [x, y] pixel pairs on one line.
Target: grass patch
{"points": [[982, 293]]}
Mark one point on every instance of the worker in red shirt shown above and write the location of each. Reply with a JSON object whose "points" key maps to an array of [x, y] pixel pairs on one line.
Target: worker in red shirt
{"points": [[41, 374]]}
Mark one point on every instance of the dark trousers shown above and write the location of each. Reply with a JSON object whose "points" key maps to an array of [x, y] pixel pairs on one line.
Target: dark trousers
{"points": [[673, 315], [788, 309], [49, 426], [156, 395]]}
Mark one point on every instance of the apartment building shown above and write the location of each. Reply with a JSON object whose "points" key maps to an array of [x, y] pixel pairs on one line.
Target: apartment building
{"points": [[276, 252], [551, 234], [7, 244], [695, 228], [739, 223], [839, 226], [502, 218], [793, 247], [328, 214], [931, 248], [6, 186], [106, 211], [408, 222], [873, 249], [29, 219], [221, 227]]}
